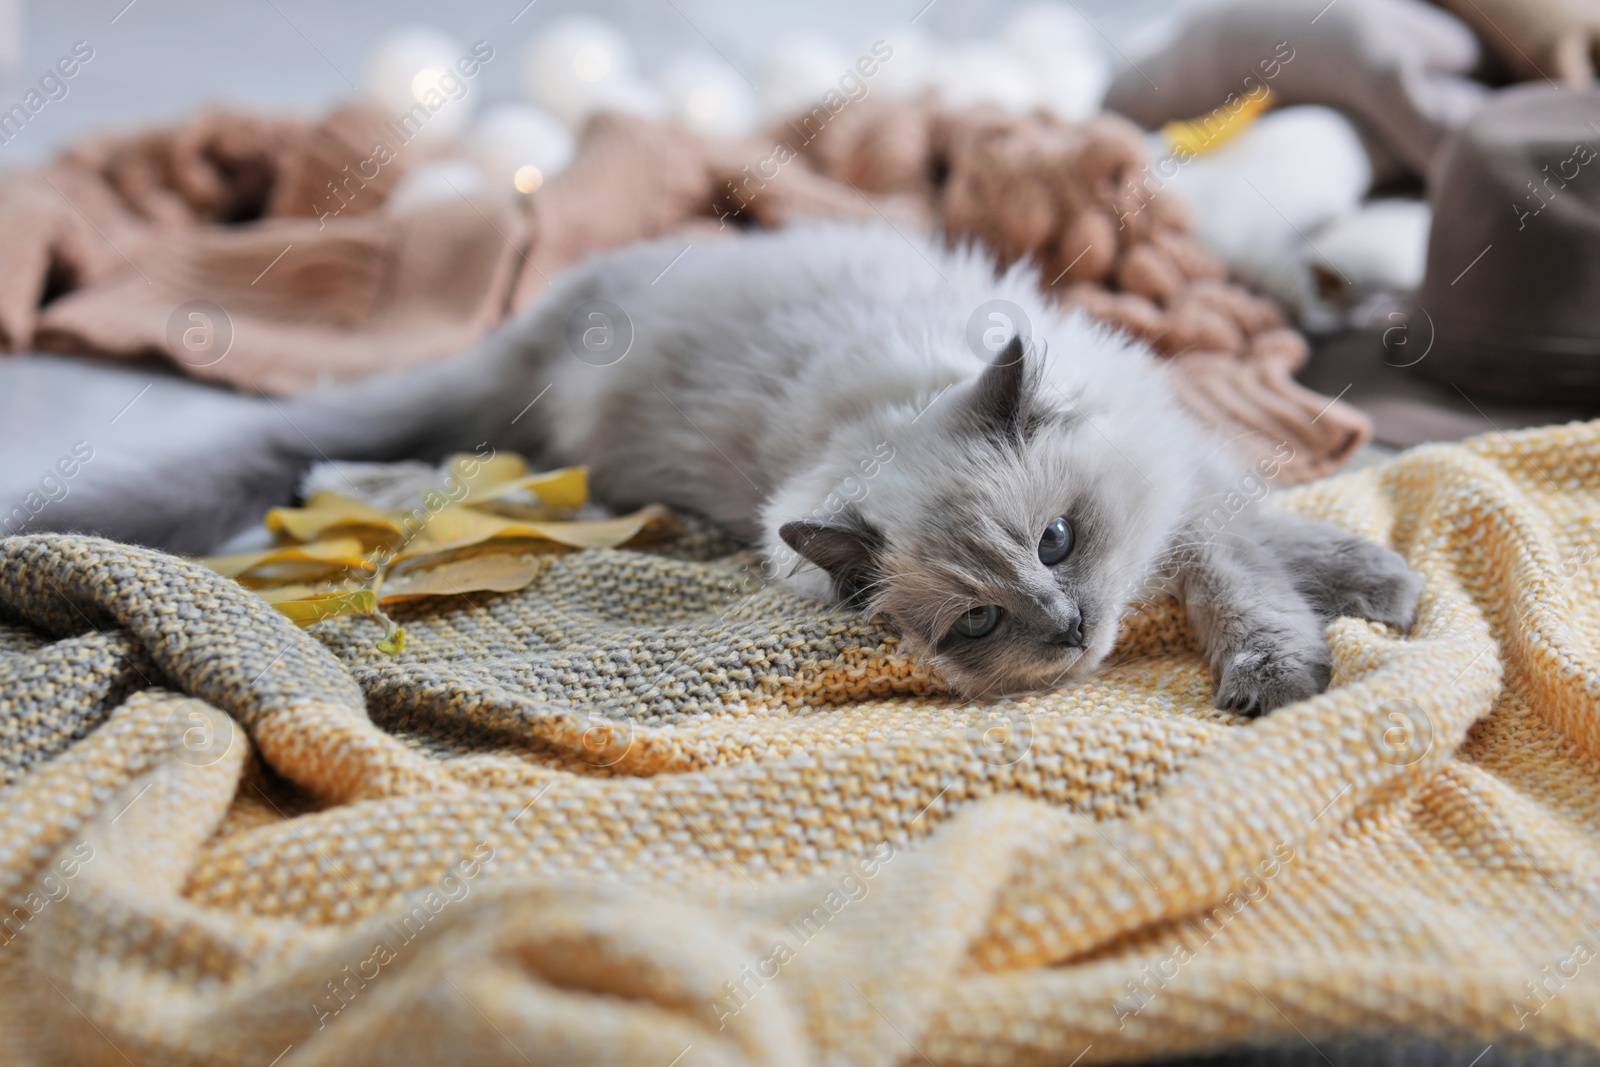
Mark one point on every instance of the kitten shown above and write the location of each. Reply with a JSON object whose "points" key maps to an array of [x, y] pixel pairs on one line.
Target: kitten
{"points": [[823, 391], [903, 430]]}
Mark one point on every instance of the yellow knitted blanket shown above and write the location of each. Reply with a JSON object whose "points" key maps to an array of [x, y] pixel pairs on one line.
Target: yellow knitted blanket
{"points": [[628, 815]]}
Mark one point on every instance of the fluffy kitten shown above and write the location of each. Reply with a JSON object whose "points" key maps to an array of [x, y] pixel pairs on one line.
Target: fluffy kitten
{"points": [[905, 431], [823, 390]]}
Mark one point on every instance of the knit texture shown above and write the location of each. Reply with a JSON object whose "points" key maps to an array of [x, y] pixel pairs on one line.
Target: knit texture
{"points": [[643, 813]]}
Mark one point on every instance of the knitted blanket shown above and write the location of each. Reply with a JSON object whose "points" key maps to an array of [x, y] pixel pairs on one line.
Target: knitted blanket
{"points": [[636, 813]]}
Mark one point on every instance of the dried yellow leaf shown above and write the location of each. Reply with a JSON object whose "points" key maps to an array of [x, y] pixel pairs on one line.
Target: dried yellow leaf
{"points": [[444, 546], [499, 574], [476, 472], [317, 556], [330, 511], [456, 528], [325, 511], [315, 609], [566, 488], [300, 591]]}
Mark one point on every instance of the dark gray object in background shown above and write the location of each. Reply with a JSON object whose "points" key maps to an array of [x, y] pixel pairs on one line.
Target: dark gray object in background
{"points": [[1514, 255]]}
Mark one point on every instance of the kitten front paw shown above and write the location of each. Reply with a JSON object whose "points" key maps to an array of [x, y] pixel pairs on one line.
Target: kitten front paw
{"points": [[1365, 580], [1262, 678], [1382, 588]]}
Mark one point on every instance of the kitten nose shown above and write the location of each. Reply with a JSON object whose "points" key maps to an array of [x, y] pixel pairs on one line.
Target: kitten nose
{"points": [[1070, 635]]}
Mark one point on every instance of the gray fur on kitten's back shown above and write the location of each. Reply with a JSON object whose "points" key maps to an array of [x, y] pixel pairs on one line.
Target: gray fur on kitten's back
{"points": [[815, 390]]}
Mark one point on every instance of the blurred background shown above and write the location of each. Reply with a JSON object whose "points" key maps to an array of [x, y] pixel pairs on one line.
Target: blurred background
{"points": [[1315, 196], [161, 59]]}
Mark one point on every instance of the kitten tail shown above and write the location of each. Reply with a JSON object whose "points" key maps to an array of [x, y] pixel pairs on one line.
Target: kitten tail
{"points": [[195, 503]]}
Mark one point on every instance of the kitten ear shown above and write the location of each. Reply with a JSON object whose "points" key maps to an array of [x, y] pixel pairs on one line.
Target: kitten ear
{"points": [[846, 549], [1003, 395]]}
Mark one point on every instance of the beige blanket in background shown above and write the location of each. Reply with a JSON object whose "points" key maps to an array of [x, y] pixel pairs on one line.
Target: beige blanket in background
{"points": [[220, 245]]}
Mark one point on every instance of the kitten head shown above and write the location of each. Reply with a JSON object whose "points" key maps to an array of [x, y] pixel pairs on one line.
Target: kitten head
{"points": [[1006, 537]]}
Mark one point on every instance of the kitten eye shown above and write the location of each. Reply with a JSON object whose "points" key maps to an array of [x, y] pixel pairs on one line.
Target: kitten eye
{"points": [[1056, 542], [979, 622]]}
